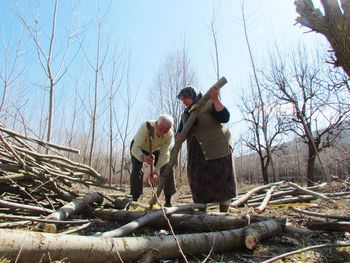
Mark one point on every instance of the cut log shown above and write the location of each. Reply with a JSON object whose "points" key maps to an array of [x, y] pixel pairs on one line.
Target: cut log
{"points": [[198, 222], [256, 232], [32, 246], [67, 210], [149, 217]]}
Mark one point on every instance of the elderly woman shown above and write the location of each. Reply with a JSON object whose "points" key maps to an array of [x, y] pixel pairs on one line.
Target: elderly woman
{"points": [[210, 166]]}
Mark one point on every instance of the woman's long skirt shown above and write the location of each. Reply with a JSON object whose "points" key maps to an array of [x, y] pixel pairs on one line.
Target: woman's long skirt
{"points": [[211, 181]]}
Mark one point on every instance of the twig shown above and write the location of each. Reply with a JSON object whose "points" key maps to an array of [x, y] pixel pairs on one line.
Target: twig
{"points": [[337, 244], [309, 213], [307, 191], [37, 219], [76, 229]]}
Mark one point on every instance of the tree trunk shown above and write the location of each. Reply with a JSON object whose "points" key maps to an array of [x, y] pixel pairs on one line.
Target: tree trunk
{"points": [[28, 246], [130, 227], [333, 24], [69, 209], [264, 171], [200, 222], [311, 165]]}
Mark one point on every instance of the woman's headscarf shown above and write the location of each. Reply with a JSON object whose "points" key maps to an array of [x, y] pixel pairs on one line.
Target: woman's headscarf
{"points": [[195, 95], [190, 92]]}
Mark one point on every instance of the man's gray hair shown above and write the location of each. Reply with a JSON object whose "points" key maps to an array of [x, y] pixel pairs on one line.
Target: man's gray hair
{"points": [[166, 119]]}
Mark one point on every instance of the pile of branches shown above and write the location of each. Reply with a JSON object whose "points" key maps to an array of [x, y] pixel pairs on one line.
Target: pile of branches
{"points": [[35, 172]]}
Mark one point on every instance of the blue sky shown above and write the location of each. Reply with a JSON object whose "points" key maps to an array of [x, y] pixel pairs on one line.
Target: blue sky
{"points": [[148, 30]]}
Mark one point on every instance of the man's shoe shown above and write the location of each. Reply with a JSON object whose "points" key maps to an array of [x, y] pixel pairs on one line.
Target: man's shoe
{"points": [[167, 205]]}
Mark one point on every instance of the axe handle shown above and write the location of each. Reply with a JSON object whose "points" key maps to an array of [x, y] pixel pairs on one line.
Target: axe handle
{"points": [[150, 151]]}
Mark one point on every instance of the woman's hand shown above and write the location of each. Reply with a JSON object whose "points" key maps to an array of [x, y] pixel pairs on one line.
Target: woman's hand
{"points": [[214, 93]]}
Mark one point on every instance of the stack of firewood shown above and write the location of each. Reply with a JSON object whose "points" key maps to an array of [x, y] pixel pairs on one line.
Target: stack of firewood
{"points": [[33, 172]]}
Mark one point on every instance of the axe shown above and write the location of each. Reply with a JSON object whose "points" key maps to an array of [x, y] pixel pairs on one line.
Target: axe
{"points": [[150, 135]]}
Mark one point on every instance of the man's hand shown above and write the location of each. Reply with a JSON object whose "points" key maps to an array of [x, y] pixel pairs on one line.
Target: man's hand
{"points": [[149, 159], [153, 179]]}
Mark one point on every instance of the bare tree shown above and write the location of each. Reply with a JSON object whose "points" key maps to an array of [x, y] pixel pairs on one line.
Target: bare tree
{"points": [[264, 125], [10, 71], [213, 30], [115, 81], [174, 74], [299, 85], [97, 68], [125, 126], [53, 71], [333, 23]]}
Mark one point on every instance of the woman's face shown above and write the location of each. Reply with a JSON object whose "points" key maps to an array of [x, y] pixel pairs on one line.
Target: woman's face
{"points": [[186, 101]]}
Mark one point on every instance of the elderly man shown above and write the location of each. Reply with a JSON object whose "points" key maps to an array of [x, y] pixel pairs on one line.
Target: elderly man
{"points": [[159, 153]]}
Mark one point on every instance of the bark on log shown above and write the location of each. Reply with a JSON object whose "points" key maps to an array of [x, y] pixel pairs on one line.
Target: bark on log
{"points": [[149, 217], [329, 226], [67, 210], [34, 247], [200, 222], [255, 232], [177, 146]]}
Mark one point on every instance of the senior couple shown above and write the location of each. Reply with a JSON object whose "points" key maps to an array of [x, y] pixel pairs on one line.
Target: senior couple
{"points": [[210, 167]]}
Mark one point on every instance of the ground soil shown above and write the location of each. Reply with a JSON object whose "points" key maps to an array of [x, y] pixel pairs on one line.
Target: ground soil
{"points": [[289, 240]]}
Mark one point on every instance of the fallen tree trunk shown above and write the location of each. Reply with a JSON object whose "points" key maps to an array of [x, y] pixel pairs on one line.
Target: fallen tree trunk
{"points": [[255, 232], [149, 217], [28, 246], [198, 222], [69, 209]]}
